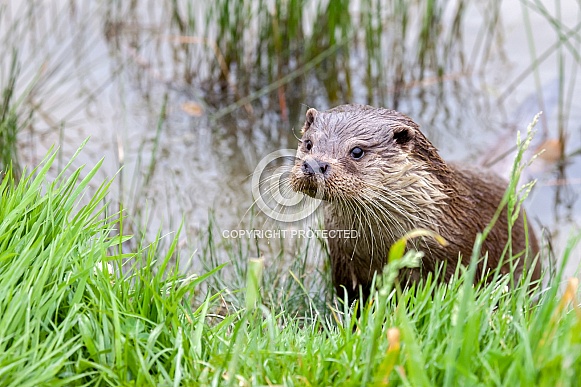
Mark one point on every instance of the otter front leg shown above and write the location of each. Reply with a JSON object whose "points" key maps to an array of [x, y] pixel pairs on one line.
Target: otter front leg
{"points": [[345, 279]]}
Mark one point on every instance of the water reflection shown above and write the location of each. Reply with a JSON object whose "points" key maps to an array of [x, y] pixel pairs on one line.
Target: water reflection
{"points": [[148, 88]]}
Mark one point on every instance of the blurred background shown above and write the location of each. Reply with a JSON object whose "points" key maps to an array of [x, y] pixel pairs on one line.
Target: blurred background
{"points": [[182, 99]]}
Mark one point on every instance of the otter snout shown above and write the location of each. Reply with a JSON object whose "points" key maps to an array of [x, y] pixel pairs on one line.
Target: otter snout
{"points": [[312, 166], [310, 176]]}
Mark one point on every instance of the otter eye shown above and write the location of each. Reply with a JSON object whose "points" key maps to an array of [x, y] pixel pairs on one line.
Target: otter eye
{"points": [[357, 153], [308, 145]]}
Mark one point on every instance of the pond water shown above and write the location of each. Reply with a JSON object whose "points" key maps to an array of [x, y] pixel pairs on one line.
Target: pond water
{"points": [[123, 77]]}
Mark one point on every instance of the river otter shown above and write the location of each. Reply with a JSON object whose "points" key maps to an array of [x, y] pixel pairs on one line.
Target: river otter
{"points": [[379, 175]]}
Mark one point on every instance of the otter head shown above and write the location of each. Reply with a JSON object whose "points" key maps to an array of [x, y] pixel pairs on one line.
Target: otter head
{"points": [[361, 153]]}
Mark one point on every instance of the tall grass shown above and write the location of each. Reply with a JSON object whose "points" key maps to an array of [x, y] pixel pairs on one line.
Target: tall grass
{"points": [[236, 50], [76, 309], [68, 314], [9, 123]]}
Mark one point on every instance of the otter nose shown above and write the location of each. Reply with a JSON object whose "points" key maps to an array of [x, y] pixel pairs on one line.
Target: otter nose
{"points": [[312, 167]]}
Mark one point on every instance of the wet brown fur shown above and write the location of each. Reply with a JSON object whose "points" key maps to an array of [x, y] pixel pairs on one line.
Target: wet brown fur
{"points": [[401, 183]]}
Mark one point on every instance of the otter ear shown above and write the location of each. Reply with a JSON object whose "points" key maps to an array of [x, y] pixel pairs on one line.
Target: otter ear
{"points": [[311, 115], [403, 135]]}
